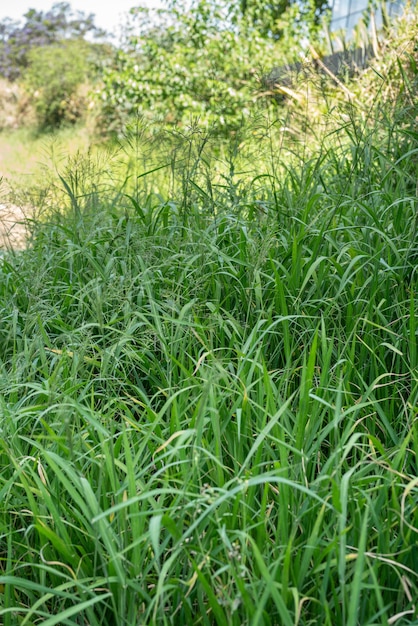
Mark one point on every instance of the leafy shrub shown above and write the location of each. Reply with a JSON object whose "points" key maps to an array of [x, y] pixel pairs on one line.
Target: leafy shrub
{"points": [[199, 66], [55, 78]]}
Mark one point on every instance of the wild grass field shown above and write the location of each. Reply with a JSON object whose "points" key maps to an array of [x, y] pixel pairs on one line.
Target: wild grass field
{"points": [[209, 375]]}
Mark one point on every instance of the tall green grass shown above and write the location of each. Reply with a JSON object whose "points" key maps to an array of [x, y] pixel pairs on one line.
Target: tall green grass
{"points": [[209, 400]]}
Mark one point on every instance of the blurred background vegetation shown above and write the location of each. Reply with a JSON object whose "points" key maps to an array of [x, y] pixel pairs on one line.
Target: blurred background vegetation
{"points": [[205, 60]]}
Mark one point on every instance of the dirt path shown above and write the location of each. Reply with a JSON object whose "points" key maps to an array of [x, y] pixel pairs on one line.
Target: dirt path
{"points": [[12, 230]]}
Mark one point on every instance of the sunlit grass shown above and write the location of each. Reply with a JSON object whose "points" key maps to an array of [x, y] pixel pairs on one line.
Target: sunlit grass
{"points": [[24, 154]]}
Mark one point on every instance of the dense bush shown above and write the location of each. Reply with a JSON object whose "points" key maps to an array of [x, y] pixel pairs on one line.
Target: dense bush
{"points": [[55, 78], [200, 64], [272, 19]]}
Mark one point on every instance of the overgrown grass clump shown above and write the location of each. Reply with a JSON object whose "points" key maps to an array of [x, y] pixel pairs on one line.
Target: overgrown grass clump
{"points": [[209, 401]]}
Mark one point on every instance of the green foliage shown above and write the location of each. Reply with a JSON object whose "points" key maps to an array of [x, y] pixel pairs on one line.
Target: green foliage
{"points": [[55, 78], [201, 66], [273, 19], [39, 29], [50, 56]]}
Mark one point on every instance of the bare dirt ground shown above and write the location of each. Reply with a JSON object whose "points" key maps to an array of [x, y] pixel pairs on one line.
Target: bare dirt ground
{"points": [[13, 232]]}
